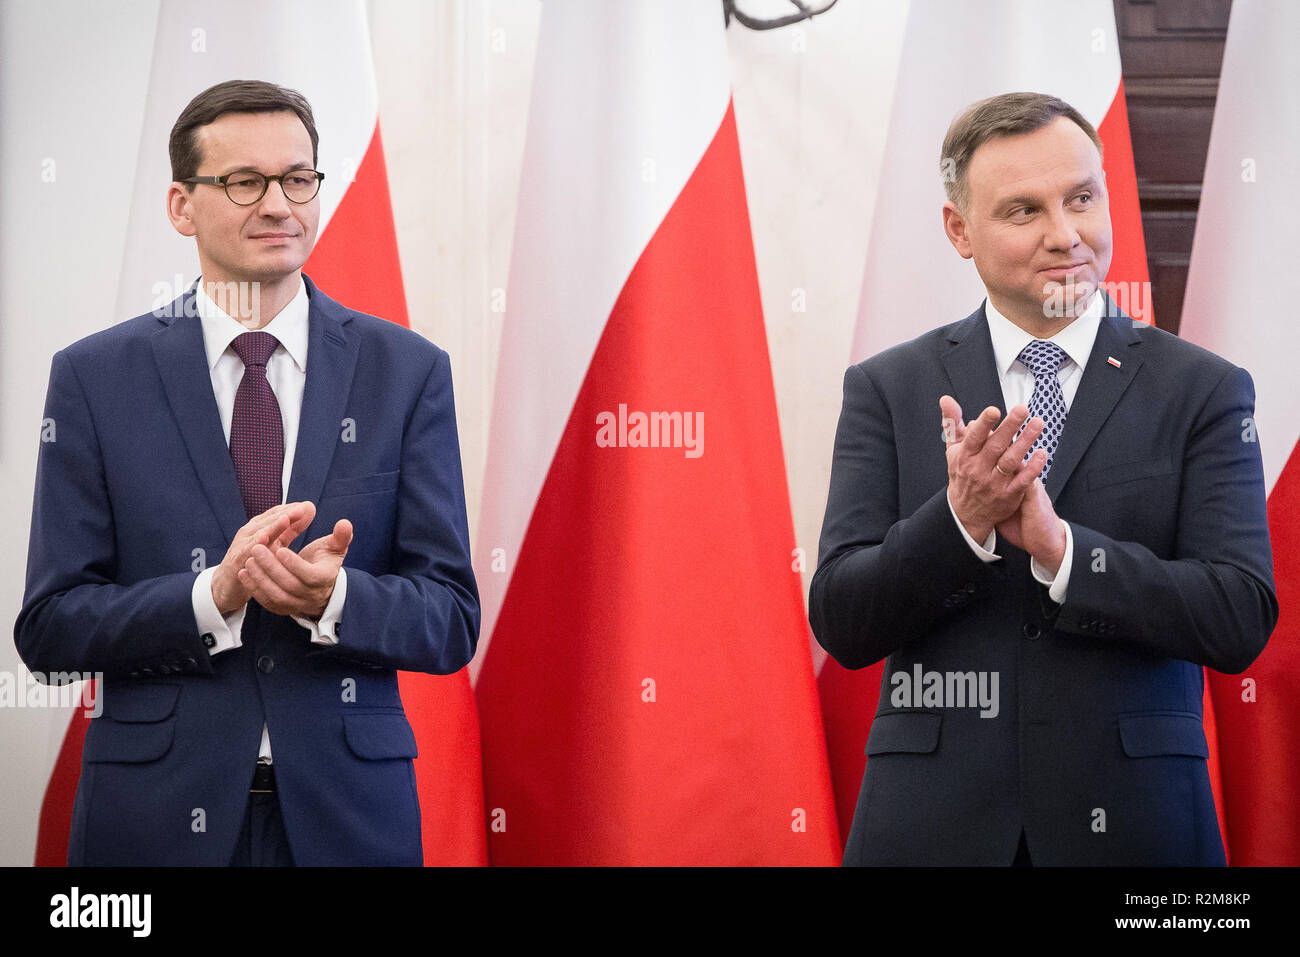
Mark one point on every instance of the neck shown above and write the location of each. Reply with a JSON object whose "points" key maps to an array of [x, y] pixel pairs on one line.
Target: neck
{"points": [[1040, 324], [252, 303]]}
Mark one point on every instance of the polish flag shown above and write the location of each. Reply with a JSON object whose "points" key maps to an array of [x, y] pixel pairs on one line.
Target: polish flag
{"points": [[954, 54], [1240, 303], [646, 691], [322, 50]]}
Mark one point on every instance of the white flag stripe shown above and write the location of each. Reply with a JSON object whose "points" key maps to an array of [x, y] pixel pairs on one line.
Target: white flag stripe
{"points": [[320, 49], [598, 179], [955, 53], [1243, 284]]}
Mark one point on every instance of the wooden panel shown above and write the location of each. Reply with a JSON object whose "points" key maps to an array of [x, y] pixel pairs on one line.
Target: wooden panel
{"points": [[1171, 52], [1211, 15], [1170, 231], [1170, 139]]}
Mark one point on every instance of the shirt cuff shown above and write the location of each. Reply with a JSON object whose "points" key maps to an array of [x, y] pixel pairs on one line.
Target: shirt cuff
{"points": [[985, 551], [219, 633], [326, 631], [1056, 586]]}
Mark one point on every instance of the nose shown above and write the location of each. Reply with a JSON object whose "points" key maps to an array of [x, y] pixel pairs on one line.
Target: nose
{"points": [[1061, 234], [273, 204]]}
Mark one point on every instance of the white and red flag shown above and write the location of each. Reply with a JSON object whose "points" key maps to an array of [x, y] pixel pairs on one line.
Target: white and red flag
{"points": [[955, 53], [1241, 298], [646, 692], [322, 50]]}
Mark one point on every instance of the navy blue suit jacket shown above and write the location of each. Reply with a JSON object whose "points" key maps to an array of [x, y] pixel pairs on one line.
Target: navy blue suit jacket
{"points": [[1097, 750], [136, 482]]}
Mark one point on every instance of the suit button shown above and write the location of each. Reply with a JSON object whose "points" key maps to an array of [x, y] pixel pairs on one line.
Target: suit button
{"points": [[147, 671], [265, 664], [970, 588], [191, 664], [1031, 631], [164, 670], [209, 639]]}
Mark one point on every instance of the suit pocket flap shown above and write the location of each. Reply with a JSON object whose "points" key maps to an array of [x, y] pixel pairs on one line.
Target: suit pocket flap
{"points": [[904, 731], [140, 703], [360, 484], [128, 743], [376, 736], [1150, 735], [1108, 475]]}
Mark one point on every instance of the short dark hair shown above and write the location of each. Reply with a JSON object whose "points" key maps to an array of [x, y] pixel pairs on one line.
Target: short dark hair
{"points": [[232, 96], [1009, 114]]}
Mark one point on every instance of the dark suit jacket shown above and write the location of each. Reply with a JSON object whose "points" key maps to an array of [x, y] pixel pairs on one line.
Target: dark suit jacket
{"points": [[1097, 750], [137, 480]]}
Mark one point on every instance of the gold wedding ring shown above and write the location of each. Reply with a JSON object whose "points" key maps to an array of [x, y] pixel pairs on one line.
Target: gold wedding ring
{"points": [[1001, 471]]}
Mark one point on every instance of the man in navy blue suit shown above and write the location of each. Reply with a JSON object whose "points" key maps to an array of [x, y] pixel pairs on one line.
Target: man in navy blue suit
{"points": [[250, 705], [1047, 580]]}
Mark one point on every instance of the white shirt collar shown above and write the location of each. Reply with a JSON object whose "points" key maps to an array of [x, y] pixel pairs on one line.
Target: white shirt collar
{"points": [[289, 326], [1076, 339]]}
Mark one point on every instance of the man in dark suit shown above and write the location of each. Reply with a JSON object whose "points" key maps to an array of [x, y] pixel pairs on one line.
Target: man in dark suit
{"points": [[242, 722], [1047, 580]]}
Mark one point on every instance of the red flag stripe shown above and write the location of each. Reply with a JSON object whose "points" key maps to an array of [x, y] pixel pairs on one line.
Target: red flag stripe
{"points": [[645, 565], [1256, 710], [355, 259], [1128, 264]]}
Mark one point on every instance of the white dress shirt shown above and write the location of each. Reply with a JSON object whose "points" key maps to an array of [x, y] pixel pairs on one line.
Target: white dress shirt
{"points": [[1076, 341], [286, 371]]}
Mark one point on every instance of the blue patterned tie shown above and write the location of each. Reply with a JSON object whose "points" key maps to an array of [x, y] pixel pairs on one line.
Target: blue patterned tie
{"points": [[1044, 359]]}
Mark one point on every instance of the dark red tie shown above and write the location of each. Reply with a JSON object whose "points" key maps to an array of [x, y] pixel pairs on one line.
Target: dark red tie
{"points": [[256, 430]]}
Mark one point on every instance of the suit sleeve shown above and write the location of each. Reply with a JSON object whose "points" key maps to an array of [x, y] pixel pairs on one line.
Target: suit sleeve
{"points": [[423, 615], [883, 580], [1214, 603], [76, 616]]}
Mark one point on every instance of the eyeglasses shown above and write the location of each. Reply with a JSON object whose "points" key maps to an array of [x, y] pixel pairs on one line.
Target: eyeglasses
{"points": [[246, 187]]}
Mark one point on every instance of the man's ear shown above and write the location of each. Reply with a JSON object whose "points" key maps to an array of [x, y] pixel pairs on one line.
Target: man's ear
{"points": [[178, 209], [954, 226]]}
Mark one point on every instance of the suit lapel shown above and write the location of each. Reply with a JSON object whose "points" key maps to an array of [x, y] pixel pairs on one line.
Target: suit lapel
{"points": [[1099, 390], [972, 368], [331, 361], [183, 366]]}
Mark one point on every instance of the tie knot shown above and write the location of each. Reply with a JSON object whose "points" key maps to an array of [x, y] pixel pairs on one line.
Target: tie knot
{"points": [[1043, 357], [255, 348]]}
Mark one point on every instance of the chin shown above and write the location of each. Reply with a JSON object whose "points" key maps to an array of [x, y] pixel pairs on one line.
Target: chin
{"points": [[1079, 303], [1067, 300], [275, 270]]}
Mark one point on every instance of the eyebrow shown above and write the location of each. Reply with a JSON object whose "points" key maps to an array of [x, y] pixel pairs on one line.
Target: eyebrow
{"points": [[244, 168], [1089, 182]]}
